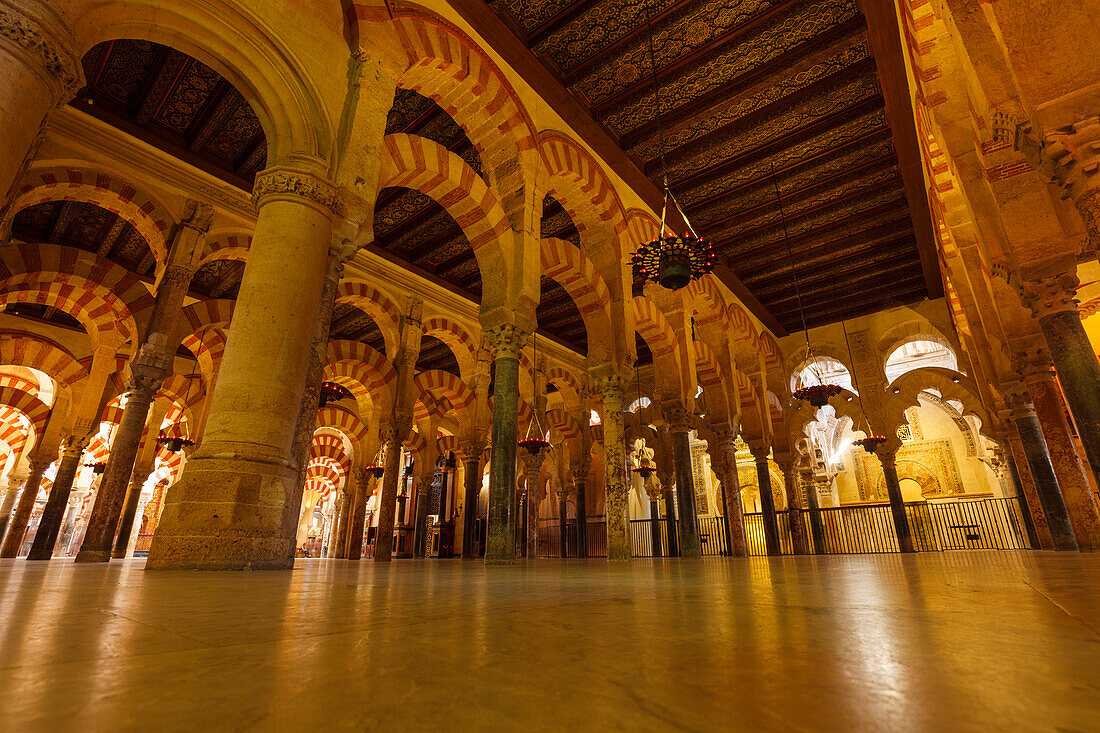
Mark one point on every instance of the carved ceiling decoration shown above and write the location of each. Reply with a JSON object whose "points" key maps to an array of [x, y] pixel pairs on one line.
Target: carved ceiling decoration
{"points": [[175, 103], [351, 324], [748, 86], [218, 279], [434, 354], [87, 227]]}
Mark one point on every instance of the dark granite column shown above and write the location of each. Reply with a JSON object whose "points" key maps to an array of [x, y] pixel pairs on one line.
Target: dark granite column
{"points": [[726, 453], [50, 525], [339, 540], [1025, 510], [1053, 300], [500, 540], [1077, 494], [897, 503], [1027, 483], [610, 389], [760, 452], [670, 521], [563, 523], [17, 527], [387, 502], [469, 507], [817, 530], [532, 467], [1022, 413], [580, 481], [420, 517], [356, 509], [685, 483], [129, 509], [799, 545]]}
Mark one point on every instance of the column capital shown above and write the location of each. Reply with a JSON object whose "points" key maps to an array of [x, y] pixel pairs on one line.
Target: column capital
{"points": [[759, 450], [1017, 401], [1033, 365], [27, 29], [299, 179], [677, 416], [610, 388], [887, 458], [507, 340], [1048, 295]]}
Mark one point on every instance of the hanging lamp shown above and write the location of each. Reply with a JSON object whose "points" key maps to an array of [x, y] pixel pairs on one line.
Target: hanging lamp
{"points": [[871, 443], [536, 443], [332, 392], [647, 470], [671, 260]]}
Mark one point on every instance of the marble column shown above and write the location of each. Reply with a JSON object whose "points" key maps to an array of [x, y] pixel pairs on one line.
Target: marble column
{"points": [[500, 540], [39, 71], [1077, 495], [45, 538], [799, 545], [760, 452], [235, 505], [618, 539], [726, 451], [1053, 301], [580, 483], [1022, 414], [563, 523], [15, 480], [1025, 511], [129, 509], [888, 459], [655, 520], [387, 502], [17, 527], [420, 515], [532, 467], [338, 543], [817, 529], [356, 509], [1030, 493], [690, 546], [470, 538]]}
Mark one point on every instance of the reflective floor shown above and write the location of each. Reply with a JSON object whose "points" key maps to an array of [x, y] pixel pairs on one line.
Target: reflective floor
{"points": [[955, 641]]}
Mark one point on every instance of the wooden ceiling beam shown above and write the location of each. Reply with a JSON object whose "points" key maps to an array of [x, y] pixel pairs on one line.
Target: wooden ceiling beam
{"points": [[880, 252], [866, 295], [838, 289], [828, 250]]}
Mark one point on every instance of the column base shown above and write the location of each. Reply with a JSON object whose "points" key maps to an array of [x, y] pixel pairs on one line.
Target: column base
{"points": [[93, 556], [228, 514]]}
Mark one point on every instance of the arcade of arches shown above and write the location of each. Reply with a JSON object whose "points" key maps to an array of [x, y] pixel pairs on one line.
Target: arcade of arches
{"points": [[290, 279]]}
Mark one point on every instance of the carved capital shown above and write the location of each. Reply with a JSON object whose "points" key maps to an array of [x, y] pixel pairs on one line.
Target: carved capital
{"points": [[286, 182], [610, 389], [43, 47], [1069, 157], [1051, 294], [506, 340], [677, 417], [759, 450], [1017, 401], [197, 215], [1033, 364]]}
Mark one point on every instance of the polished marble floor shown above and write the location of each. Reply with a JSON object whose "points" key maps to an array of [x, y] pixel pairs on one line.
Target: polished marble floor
{"points": [[958, 641]]}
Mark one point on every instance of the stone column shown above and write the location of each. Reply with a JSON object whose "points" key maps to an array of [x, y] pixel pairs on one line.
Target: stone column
{"points": [[1025, 511], [15, 480], [760, 452], [664, 476], [1077, 495], [618, 538], [799, 546], [39, 70], [685, 481], [1029, 495], [235, 506], [387, 502], [726, 451], [356, 510], [54, 512], [13, 540], [1053, 301], [580, 483], [563, 522], [817, 529], [1022, 414], [507, 341], [129, 509], [420, 514], [532, 467], [655, 519], [470, 536], [340, 518], [888, 459]]}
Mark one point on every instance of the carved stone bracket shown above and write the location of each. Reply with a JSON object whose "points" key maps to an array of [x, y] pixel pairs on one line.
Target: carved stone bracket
{"points": [[282, 181], [1051, 294], [45, 48]]}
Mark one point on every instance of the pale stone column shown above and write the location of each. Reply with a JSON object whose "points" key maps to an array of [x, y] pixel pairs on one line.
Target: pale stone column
{"points": [[887, 456], [144, 464], [532, 464], [760, 452], [13, 540], [45, 538], [1077, 495], [724, 462], [1053, 301], [610, 389], [15, 480], [677, 417], [234, 506], [39, 70], [473, 450], [1021, 412], [340, 519], [799, 545], [356, 510], [507, 341], [817, 529]]}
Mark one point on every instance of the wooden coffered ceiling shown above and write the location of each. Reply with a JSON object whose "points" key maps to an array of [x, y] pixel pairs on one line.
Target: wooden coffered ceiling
{"points": [[754, 94]]}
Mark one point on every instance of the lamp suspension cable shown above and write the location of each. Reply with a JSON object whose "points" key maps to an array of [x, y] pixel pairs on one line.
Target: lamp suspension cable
{"points": [[794, 275]]}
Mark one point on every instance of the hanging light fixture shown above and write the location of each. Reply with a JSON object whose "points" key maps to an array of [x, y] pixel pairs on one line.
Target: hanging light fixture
{"points": [[332, 392], [871, 443], [536, 443], [647, 470], [97, 468], [670, 260]]}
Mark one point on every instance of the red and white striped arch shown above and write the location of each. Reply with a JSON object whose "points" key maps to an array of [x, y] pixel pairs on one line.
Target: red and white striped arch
{"points": [[376, 304], [36, 352], [458, 338]]}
